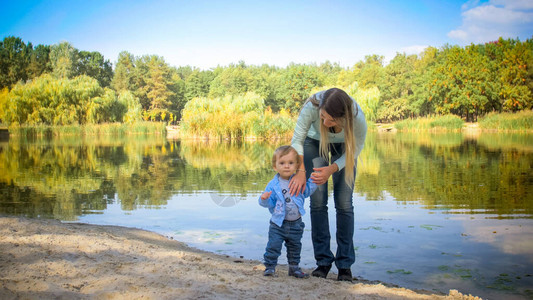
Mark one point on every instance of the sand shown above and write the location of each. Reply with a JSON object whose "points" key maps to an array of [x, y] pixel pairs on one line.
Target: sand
{"points": [[48, 259]]}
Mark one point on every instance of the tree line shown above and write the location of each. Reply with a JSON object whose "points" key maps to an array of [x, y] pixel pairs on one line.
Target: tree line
{"points": [[59, 84]]}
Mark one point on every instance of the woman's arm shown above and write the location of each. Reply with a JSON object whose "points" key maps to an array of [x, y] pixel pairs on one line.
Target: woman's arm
{"points": [[359, 131], [307, 115]]}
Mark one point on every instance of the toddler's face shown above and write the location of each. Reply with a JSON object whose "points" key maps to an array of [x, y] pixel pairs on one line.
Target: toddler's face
{"points": [[286, 165]]}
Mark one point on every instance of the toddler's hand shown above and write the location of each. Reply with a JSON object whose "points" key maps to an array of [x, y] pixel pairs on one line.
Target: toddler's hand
{"points": [[266, 195]]}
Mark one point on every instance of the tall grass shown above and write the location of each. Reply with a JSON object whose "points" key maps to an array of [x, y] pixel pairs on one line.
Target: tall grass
{"points": [[446, 122], [520, 121], [115, 129]]}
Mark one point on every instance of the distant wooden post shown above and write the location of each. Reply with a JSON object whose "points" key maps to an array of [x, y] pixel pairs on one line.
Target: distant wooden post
{"points": [[4, 134]]}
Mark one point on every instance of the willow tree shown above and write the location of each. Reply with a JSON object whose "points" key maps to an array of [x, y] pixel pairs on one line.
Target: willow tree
{"points": [[60, 101]]}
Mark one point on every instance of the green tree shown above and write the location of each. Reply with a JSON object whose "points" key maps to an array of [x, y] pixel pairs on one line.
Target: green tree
{"points": [[297, 82], [462, 84], [158, 83], [371, 72], [15, 57], [39, 61], [516, 76], [198, 84], [346, 77], [266, 81], [420, 103], [177, 99], [153, 86], [123, 77], [63, 60], [397, 87], [94, 65], [231, 80], [329, 73]]}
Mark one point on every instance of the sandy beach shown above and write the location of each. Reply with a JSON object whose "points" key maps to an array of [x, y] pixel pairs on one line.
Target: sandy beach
{"points": [[48, 259]]}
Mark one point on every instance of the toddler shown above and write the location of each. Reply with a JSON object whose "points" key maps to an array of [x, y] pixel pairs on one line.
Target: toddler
{"points": [[286, 223]]}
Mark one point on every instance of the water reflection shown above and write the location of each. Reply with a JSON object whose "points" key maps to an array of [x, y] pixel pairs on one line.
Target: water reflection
{"points": [[431, 209], [453, 172]]}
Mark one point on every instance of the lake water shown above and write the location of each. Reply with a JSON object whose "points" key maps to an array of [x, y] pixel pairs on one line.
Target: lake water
{"points": [[433, 211]]}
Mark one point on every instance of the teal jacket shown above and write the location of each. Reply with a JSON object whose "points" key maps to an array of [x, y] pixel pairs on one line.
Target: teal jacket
{"points": [[308, 125], [276, 203]]}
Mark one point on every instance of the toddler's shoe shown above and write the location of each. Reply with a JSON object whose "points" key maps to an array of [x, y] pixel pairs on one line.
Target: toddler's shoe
{"points": [[297, 272], [269, 272]]}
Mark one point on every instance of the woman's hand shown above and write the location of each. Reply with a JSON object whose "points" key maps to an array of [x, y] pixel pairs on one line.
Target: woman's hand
{"points": [[297, 183], [321, 175]]}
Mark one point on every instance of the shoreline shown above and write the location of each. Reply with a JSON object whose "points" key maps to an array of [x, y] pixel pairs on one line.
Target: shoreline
{"points": [[48, 259]]}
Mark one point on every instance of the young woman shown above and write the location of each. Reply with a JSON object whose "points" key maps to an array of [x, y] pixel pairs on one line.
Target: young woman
{"points": [[329, 136]]}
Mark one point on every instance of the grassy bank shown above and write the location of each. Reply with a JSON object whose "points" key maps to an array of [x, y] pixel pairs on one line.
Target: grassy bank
{"points": [[90, 130], [520, 121], [269, 125], [447, 122]]}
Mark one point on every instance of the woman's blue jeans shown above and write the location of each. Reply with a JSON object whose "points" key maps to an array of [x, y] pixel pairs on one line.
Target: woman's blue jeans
{"points": [[291, 233], [343, 196]]}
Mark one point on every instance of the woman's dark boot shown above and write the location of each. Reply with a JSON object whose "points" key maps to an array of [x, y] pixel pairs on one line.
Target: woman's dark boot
{"points": [[345, 275], [321, 271]]}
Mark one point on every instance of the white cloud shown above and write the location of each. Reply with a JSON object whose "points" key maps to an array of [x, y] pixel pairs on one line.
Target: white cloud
{"points": [[470, 4], [498, 18], [458, 35]]}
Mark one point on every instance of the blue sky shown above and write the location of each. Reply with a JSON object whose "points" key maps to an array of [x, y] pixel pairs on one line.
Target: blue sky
{"points": [[207, 33]]}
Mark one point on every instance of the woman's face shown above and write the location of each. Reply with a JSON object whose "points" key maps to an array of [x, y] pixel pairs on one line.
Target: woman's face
{"points": [[328, 120]]}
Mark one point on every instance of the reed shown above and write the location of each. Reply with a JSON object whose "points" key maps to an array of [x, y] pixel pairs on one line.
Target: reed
{"points": [[520, 121], [434, 123]]}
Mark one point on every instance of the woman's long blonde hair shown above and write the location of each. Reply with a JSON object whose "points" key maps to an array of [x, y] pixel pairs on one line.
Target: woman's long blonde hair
{"points": [[339, 106]]}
